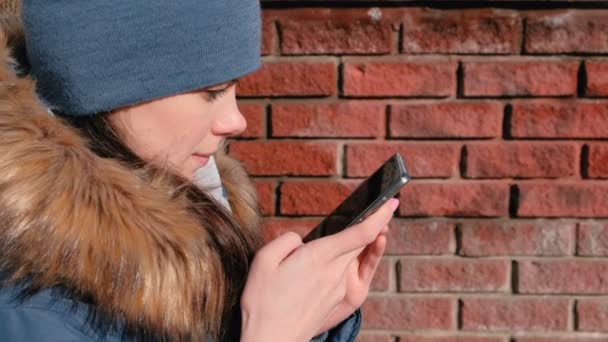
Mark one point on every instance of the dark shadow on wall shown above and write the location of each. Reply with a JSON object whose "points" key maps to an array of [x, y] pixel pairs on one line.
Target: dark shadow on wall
{"points": [[511, 4]]}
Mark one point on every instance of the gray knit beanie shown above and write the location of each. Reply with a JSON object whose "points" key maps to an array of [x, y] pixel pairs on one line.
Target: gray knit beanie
{"points": [[93, 56]]}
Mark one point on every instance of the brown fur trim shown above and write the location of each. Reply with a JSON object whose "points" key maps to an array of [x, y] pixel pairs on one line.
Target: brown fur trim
{"points": [[10, 23], [10, 7], [70, 217], [241, 193]]}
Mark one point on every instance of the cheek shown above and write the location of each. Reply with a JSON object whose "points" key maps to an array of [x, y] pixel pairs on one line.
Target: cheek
{"points": [[152, 144], [180, 140], [188, 137], [163, 140], [167, 131]]}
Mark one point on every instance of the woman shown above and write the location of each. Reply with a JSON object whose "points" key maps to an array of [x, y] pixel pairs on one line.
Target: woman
{"points": [[106, 232]]}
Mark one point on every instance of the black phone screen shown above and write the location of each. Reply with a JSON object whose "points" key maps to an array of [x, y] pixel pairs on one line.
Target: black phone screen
{"points": [[361, 199]]}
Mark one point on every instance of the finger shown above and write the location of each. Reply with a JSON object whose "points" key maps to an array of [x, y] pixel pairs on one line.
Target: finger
{"points": [[370, 259], [348, 257], [361, 234], [384, 230], [279, 249], [340, 290], [342, 262]]}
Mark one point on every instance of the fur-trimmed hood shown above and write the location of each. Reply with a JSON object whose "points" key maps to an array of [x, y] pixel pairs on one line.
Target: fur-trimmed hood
{"points": [[70, 217]]}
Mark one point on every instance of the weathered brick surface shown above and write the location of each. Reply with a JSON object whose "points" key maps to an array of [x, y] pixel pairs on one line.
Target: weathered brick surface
{"points": [[500, 111], [399, 78]]}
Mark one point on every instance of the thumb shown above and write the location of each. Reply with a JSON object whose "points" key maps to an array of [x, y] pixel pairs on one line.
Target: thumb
{"points": [[279, 249], [363, 233]]}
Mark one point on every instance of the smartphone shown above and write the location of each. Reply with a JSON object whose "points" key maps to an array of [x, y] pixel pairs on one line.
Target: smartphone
{"points": [[383, 184]]}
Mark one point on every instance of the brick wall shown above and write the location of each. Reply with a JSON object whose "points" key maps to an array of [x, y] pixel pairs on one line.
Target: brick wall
{"points": [[502, 116]]}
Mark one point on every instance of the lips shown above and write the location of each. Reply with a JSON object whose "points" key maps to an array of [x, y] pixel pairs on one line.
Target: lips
{"points": [[206, 155], [201, 159]]}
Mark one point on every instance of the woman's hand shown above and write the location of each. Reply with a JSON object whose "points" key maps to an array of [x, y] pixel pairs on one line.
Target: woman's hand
{"points": [[295, 291], [358, 280]]}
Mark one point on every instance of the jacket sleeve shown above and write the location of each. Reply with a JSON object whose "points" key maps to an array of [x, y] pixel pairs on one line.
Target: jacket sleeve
{"points": [[35, 324], [346, 331]]}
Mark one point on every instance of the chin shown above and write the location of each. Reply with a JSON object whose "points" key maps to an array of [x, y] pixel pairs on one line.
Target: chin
{"points": [[189, 171]]}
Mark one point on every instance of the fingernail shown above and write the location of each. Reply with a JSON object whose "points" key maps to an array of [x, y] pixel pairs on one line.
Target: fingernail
{"points": [[394, 203]]}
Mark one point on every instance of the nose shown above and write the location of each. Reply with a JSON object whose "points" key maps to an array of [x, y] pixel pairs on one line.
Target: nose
{"points": [[229, 122]]}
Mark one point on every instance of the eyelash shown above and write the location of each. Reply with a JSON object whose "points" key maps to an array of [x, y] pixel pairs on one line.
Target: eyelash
{"points": [[216, 94]]}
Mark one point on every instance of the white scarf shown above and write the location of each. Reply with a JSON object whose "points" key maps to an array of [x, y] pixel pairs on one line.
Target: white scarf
{"points": [[208, 177]]}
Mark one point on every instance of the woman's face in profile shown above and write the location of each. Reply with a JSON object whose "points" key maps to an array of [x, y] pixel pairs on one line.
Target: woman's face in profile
{"points": [[183, 130]]}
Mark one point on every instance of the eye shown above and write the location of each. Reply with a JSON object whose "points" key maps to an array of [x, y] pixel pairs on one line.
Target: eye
{"points": [[216, 94]]}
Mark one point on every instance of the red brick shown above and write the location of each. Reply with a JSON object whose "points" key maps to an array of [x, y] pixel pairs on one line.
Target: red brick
{"points": [[297, 78], [335, 31], [597, 78], [449, 339], [380, 282], [399, 78], [454, 199], [353, 119], [428, 238], [521, 314], [314, 197], [254, 115], [520, 78], [592, 239], [408, 313], [421, 159], [453, 275], [563, 199], [266, 197], [592, 315], [447, 120], [275, 227], [286, 157], [268, 32], [560, 339], [508, 238], [462, 31], [521, 160], [598, 160], [559, 119], [363, 337], [563, 277], [568, 31]]}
